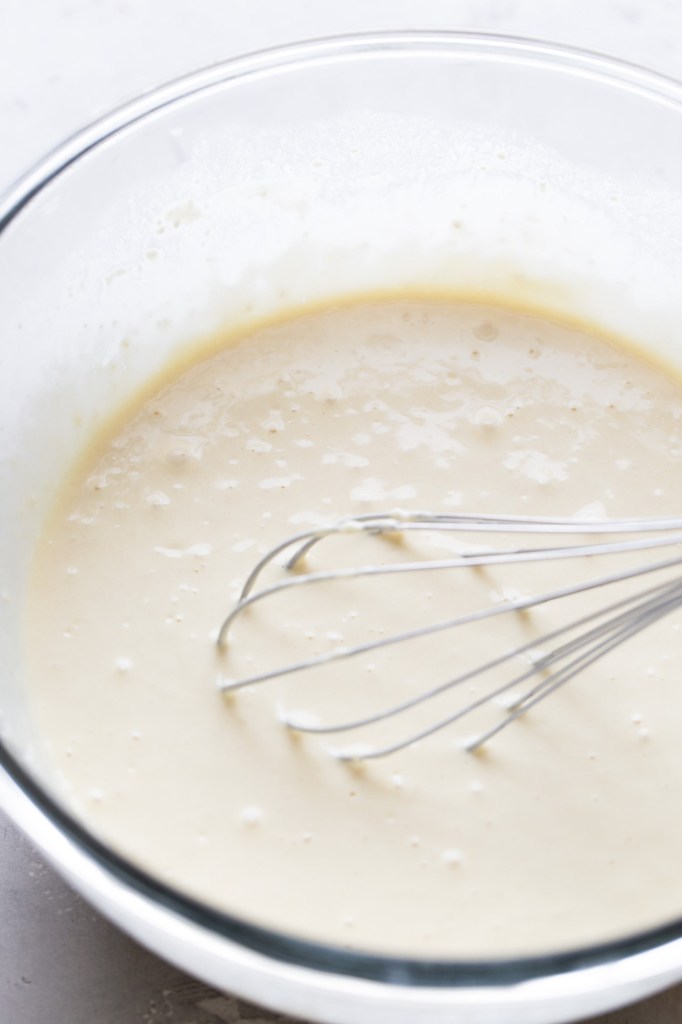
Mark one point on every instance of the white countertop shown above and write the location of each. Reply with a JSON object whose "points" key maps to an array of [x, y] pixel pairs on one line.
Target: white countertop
{"points": [[63, 63]]}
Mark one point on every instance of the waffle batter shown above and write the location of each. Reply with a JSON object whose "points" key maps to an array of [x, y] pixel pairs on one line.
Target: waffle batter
{"points": [[564, 830]]}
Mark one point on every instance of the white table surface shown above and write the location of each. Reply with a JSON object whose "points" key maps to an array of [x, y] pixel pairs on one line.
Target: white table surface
{"points": [[63, 63]]}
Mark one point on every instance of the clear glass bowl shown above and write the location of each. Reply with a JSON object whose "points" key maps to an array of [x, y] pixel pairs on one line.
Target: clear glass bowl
{"points": [[435, 161]]}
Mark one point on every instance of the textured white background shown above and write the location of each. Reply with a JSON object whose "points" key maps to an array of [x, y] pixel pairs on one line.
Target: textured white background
{"points": [[63, 63]]}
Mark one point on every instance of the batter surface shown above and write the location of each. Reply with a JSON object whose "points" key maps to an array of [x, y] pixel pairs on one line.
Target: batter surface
{"points": [[564, 830]]}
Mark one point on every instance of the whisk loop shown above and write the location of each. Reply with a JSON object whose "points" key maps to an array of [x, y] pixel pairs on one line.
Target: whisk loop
{"points": [[600, 631]]}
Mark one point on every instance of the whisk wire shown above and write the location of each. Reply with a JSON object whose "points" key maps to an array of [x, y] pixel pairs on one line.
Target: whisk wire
{"points": [[620, 620], [468, 560], [405, 522], [518, 605], [570, 671], [616, 630]]}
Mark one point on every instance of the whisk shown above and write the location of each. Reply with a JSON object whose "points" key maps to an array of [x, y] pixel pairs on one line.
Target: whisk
{"points": [[564, 656]]}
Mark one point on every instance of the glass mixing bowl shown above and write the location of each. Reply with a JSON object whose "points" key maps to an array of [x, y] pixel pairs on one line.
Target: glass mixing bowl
{"points": [[433, 161]]}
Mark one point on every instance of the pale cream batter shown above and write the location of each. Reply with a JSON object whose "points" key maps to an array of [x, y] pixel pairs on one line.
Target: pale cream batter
{"points": [[565, 830]]}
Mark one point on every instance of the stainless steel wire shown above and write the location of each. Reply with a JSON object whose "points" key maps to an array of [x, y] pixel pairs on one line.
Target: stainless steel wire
{"points": [[597, 633]]}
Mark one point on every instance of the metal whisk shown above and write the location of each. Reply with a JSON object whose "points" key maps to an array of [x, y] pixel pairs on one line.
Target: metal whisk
{"points": [[596, 633]]}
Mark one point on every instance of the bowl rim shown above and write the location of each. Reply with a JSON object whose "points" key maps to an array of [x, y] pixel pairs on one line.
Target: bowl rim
{"points": [[556, 56], [274, 944]]}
